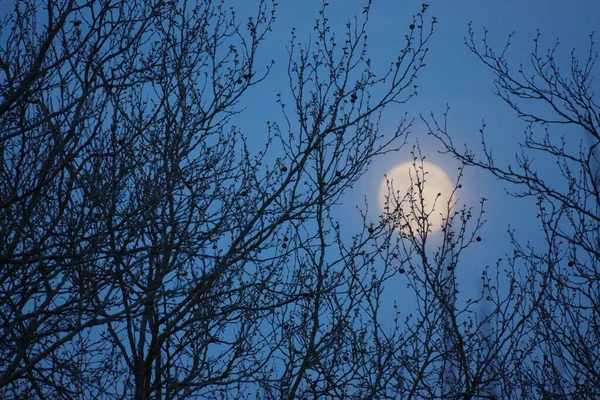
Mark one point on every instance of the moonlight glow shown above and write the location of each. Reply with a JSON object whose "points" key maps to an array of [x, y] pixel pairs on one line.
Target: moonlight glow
{"points": [[404, 206]]}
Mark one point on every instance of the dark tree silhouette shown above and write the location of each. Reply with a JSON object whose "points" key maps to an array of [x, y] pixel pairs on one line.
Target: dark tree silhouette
{"points": [[147, 252], [556, 285]]}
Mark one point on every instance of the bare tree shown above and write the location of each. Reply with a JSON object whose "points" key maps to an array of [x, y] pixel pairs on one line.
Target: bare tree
{"points": [[560, 280], [454, 346], [147, 252]]}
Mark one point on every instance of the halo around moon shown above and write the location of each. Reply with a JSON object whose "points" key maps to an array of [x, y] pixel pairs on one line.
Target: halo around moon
{"points": [[412, 191]]}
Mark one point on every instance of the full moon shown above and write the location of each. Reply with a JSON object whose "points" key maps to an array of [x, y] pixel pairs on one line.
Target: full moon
{"points": [[414, 193]]}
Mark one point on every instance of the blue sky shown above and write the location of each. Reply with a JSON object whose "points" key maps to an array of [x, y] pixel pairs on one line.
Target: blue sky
{"points": [[453, 77]]}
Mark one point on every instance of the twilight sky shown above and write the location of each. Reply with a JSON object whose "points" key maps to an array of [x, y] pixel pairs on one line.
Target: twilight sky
{"points": [[454, 77]]}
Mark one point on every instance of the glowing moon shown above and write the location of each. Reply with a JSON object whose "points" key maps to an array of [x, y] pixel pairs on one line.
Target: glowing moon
{"points": [[408, 196]]}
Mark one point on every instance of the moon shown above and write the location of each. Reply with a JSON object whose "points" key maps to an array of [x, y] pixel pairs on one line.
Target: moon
{"points": [[415, 196]]}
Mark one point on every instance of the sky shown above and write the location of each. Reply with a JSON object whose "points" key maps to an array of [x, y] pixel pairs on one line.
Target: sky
{"points": [[453, 77]]}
